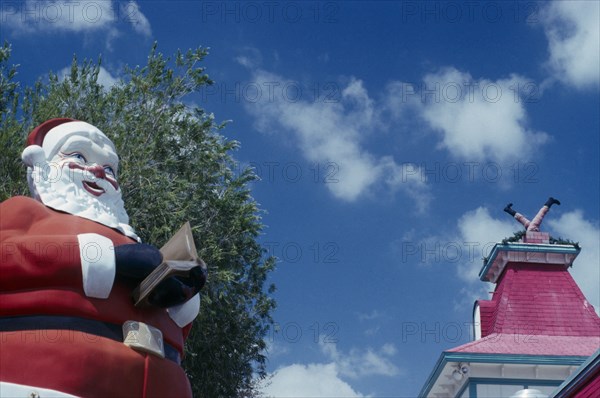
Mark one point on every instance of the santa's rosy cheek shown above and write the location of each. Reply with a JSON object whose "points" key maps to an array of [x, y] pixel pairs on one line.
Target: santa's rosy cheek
{"points": [[113, 182]]}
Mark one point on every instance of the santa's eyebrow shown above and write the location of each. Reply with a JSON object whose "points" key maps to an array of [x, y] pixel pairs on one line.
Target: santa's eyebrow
{"points": [[73, 144], [84, 147]]}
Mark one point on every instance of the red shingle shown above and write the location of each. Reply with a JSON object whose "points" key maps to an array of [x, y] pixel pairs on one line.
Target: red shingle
{"points": [[539, 297], [532, 344]]}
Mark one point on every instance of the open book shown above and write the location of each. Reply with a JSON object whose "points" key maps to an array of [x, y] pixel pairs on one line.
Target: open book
{"points": [[179, 257]]}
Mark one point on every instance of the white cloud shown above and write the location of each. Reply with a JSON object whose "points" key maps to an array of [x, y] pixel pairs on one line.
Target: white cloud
{"points": [[370, 316], [586, 268], [360, 363], [138, 20], [105, 79], [32, 16], [275, 349], [465, 247], [373, 319], [326, 379], [573, 32], [475, 235], [334, 132], [479, 232], [389, 349], [312, 380], [244, 61], [250, 57], [478, 119]]}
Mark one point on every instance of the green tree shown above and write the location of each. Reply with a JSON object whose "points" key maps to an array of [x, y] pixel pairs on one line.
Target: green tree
{"points": [[11, 136], [175, 166]]}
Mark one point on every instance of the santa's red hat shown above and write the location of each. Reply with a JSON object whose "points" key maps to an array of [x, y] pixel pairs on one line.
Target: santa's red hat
{"points": [[36, 136], [45, 140]]}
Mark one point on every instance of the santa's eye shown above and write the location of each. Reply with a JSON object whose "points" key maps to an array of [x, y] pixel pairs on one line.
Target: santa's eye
{"points": [[77, 156], [110, 171]]}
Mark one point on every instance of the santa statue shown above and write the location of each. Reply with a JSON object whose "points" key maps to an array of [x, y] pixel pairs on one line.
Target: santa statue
{"points": [[69, 261]]}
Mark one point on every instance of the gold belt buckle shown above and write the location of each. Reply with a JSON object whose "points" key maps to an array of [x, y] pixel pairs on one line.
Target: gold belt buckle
{"points": [[142, 337]]}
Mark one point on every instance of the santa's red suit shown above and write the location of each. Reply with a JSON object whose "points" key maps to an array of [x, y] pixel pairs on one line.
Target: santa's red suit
{"points": [[56, 336]]}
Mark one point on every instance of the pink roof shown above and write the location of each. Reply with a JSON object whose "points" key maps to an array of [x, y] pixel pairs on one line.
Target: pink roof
{"points": [[527, 344], [536, 309], [538, 299]]}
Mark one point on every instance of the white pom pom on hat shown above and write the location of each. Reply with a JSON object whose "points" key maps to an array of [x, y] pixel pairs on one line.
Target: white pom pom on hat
{"points": [[34, 153]]}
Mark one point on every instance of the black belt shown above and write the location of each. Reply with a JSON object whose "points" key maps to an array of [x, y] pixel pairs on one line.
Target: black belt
{"points": [[91, 326]]}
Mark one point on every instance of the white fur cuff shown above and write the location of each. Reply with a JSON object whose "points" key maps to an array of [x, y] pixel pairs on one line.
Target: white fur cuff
{"points": [[97, 264], [185, 313]]}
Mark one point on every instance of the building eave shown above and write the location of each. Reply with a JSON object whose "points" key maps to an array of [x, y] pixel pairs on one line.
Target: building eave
{"points": [[501, 254], [508, 359]]}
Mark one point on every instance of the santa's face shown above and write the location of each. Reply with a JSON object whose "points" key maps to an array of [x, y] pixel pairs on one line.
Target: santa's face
{"points": [[92, 165], [78, 175]]}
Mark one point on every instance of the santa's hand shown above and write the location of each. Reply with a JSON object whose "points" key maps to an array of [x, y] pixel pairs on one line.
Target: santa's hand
{"points": [[177, 290], [136, 260]]}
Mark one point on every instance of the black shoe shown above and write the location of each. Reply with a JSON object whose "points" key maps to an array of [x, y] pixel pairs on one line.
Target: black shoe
{"points": [[509, 209], [551, 201]]}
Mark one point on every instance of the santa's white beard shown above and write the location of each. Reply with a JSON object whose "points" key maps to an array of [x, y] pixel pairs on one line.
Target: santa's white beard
{"points": [[62, 189]]}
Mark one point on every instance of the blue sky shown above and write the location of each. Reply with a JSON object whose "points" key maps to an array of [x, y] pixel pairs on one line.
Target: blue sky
{"points": [[388, 136]]}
